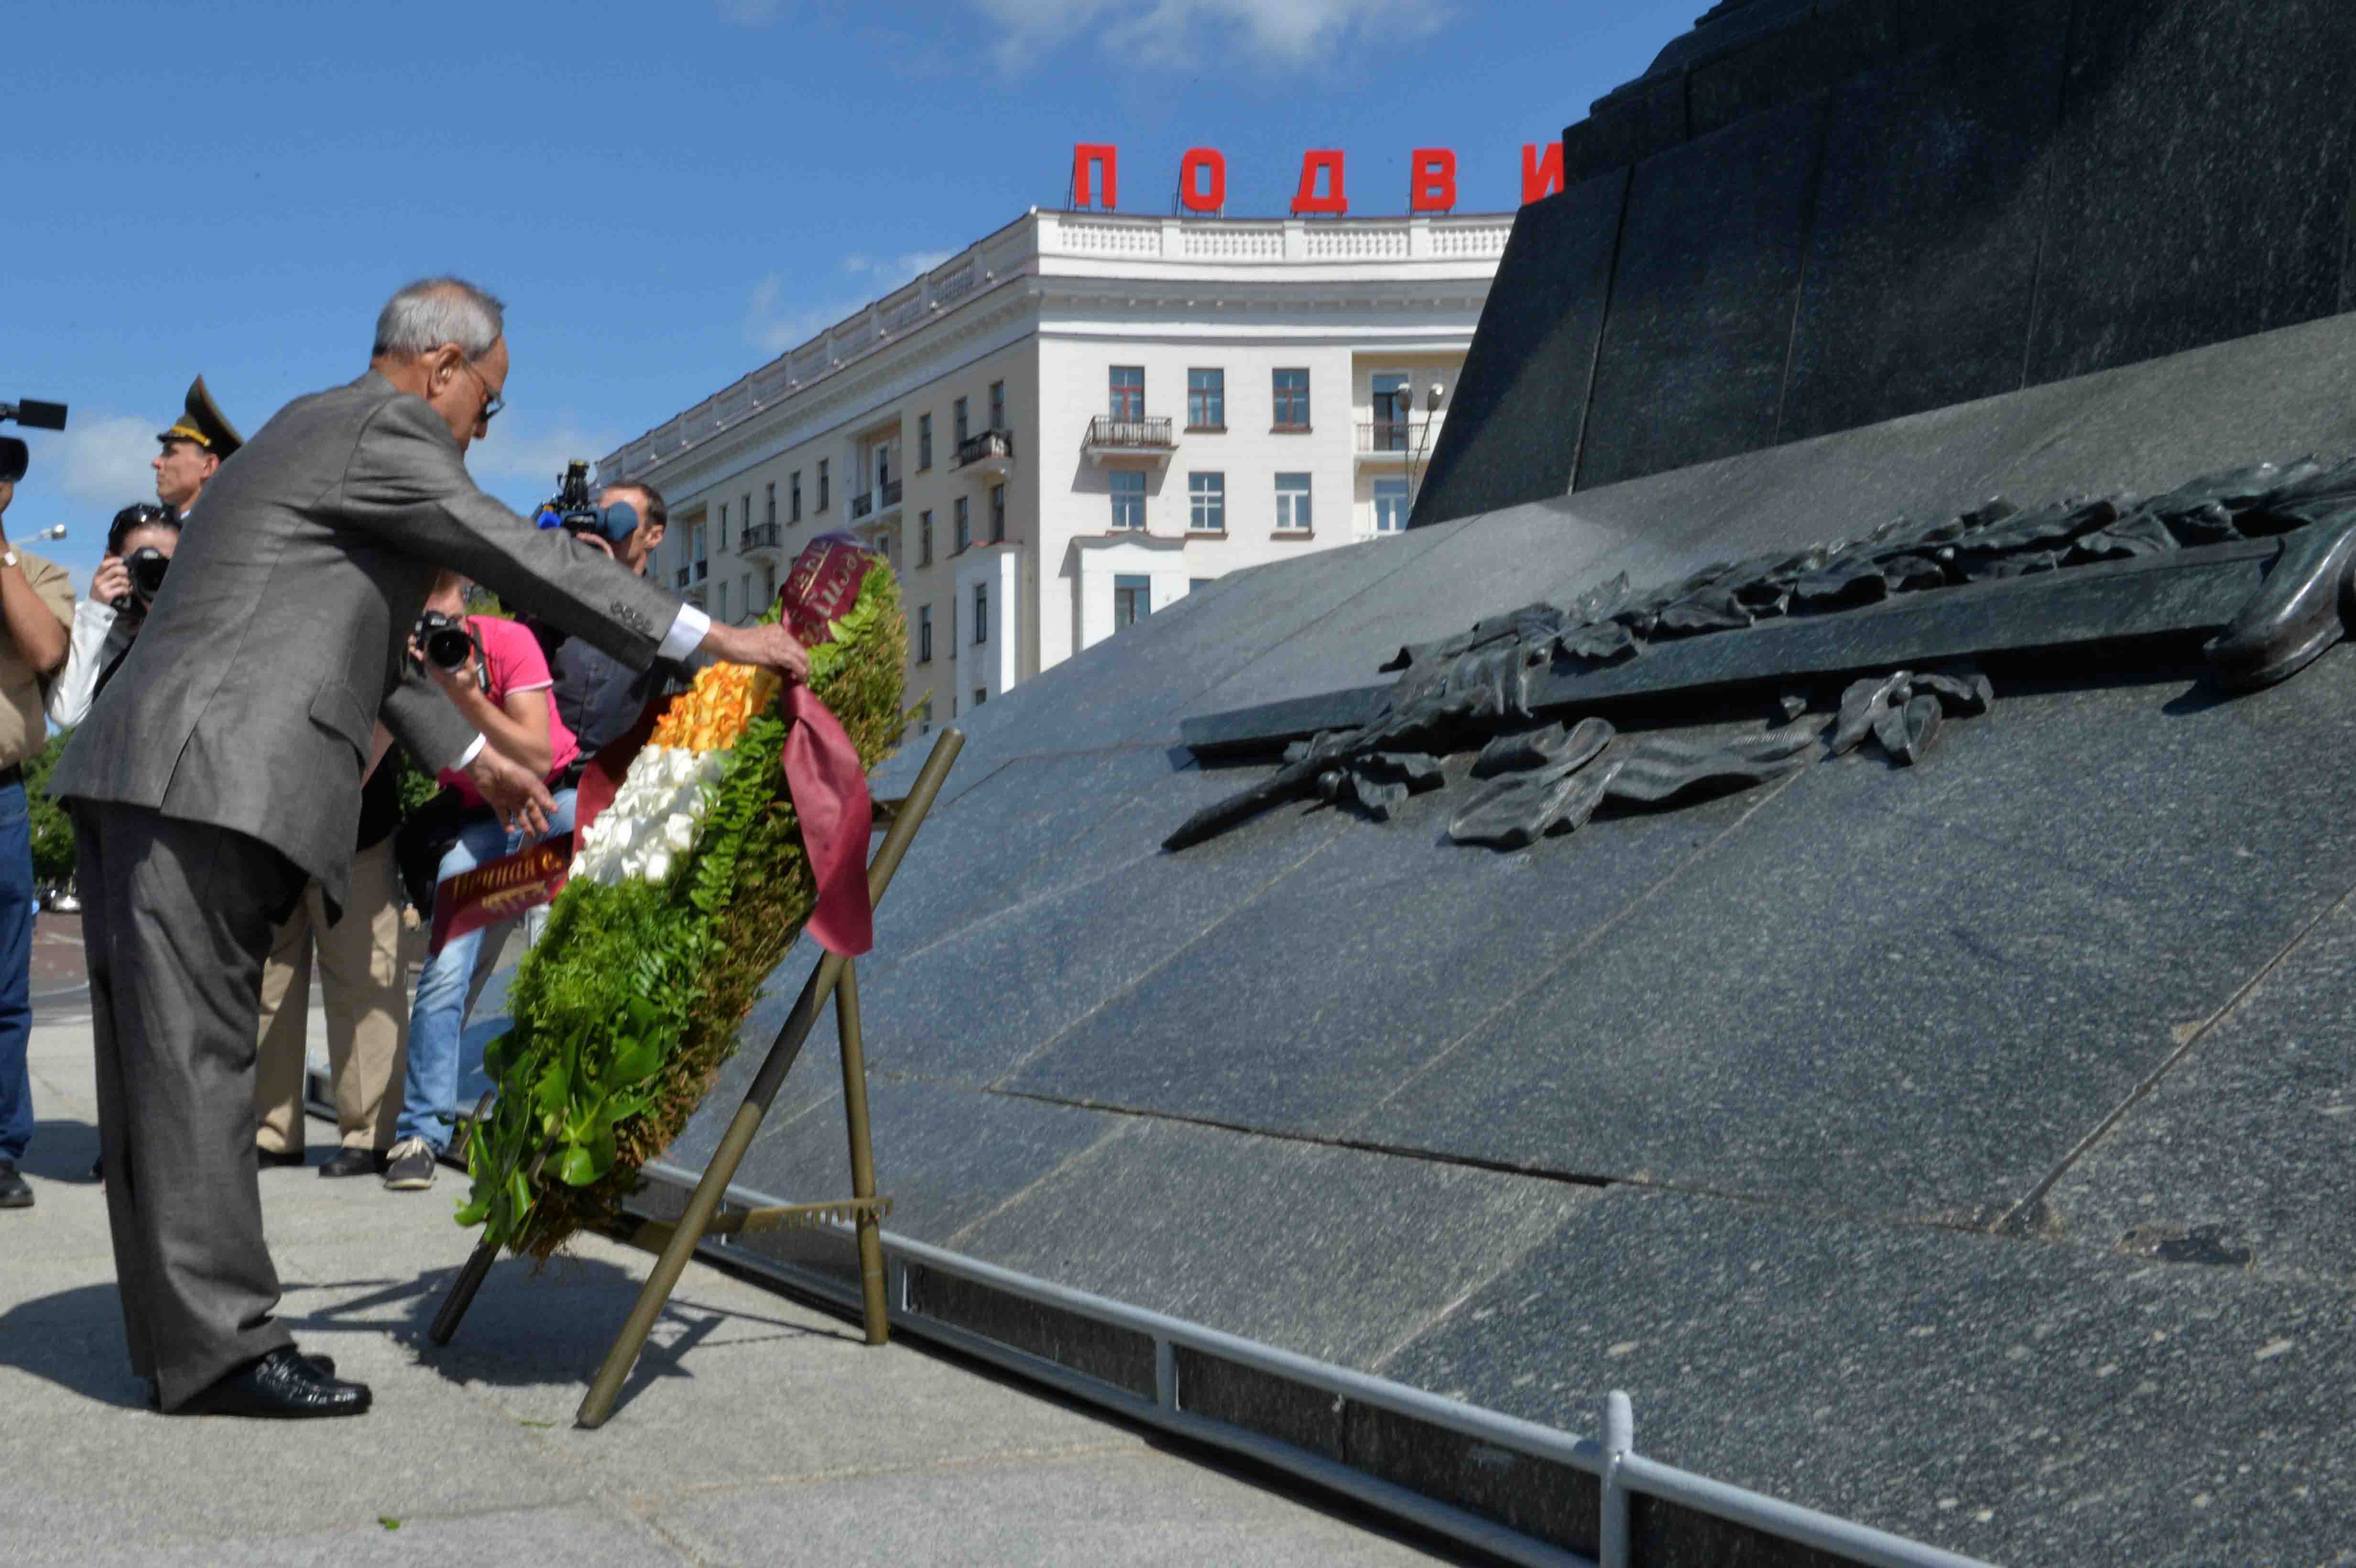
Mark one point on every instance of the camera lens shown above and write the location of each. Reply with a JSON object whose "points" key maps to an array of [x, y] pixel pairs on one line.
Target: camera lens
{"points": [[450, 648], [147, 566]]}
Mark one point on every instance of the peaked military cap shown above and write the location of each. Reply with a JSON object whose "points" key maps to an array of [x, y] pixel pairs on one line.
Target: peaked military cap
{"points": [[204, 423]]}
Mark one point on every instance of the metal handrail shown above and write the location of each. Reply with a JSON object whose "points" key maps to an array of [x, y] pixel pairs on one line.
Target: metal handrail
{"points": [[1613, 1462], [891, 493], [760, 536], [1154, 430], [860, 506]]}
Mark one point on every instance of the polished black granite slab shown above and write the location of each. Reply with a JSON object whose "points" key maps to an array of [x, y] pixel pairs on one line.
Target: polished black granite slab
{"points": [[1267, 1237], [2244, 1153], [2185, 214], [1922, 260], [2014, 1401], [1699, 334], [1535, 356]]}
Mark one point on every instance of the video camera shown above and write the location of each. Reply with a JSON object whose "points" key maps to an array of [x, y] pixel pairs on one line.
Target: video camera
{"points": [[33, 415], [573, 510]]}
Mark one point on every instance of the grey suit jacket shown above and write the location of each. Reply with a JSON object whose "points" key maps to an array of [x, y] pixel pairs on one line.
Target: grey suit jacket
{"points": [[250, 700]]}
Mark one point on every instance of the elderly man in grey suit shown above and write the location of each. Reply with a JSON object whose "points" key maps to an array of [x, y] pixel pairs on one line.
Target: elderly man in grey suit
{"points": [[221, 770]]}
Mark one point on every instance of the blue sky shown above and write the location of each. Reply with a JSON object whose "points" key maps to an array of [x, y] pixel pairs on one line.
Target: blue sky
{"points": [[666, 195]]}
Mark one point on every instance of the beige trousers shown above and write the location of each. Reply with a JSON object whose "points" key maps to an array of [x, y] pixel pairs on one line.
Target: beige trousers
{"points": [[364, 966]]}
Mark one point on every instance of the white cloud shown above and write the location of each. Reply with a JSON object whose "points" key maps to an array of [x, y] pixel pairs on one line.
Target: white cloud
{"points": [[1270, 33], [747, 13], [104, 462], [528, 460], [777, 322]]}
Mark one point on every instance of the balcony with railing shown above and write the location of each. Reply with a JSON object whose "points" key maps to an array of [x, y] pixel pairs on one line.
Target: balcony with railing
{"points": [[1386, 441], [760, 539], [862, 506], [989, 453], [1110, 438]]}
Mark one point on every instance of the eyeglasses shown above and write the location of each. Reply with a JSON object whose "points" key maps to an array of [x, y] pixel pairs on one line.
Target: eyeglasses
{"points": [[492, 401]]}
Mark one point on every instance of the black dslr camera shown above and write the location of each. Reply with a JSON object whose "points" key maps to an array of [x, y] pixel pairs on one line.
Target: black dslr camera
{"points": [[15, 456], [571, 510], [146, 564], [449, 642]]}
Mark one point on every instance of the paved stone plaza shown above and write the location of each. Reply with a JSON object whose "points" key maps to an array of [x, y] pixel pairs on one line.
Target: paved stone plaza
{"points": [[754, 1430]]}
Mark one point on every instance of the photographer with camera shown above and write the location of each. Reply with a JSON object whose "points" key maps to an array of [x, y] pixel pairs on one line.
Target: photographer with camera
{"points": [[139, 546], [35, 606], [492, 670]]}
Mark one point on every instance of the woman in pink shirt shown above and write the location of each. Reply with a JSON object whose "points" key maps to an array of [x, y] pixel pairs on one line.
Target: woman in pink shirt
{"points": [[506, 693]]}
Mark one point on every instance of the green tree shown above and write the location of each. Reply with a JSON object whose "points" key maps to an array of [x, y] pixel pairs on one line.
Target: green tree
{"points": [[53, 834]]}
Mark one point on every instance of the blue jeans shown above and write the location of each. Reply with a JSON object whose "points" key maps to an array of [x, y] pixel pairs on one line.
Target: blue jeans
{"points": [[437, 1018], [15, 972]]}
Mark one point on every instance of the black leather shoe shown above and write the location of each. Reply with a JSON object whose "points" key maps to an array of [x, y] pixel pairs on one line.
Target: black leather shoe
{"points": [[354, 1162], [268, 1159], [281, 1386], [13, 1191], [321, 1367]]}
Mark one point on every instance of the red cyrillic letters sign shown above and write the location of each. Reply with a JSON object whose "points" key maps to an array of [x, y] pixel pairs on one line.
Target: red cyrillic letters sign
{"points": [[1541, 176], [1306, 201], [1203, 181], [1431, 184], [1107, 158], [1321, 193]]}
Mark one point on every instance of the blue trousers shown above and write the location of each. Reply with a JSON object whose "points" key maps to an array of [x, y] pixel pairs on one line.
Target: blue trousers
{"points": [[15, 972], [437, 1018]]}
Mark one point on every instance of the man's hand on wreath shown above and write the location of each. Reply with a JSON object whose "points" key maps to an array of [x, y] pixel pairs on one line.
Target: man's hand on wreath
{"points": [[513, 791], [769, 648]]}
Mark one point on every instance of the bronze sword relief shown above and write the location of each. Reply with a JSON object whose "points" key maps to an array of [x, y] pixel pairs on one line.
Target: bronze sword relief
{"points": [[2255, 567]]}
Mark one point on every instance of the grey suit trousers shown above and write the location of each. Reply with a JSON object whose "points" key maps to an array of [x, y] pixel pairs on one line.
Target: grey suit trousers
{"points": [[176, 918]]}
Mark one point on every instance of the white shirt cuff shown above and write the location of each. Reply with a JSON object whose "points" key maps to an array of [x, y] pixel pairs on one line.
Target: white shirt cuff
{"points": [[686, 633], [467, 755]]}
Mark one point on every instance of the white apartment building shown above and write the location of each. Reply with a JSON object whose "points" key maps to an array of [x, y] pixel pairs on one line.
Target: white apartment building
{"points": [[1071, 423]]}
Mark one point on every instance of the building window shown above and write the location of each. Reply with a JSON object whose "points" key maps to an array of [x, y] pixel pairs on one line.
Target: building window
{"points": [[1394, 400], [1127, 392], [1390, 506], [1207, 400], [998, 405], [772, 505], [794, 496], [997, 514], [980, 613], [1196, 584], [961, 530], [1133, 600], [924, 539], [924, 449], [768, 584], [1292, 503], [695, 542], [883, 471], [723, 528], [723, 602], [1128, 500], [957, 419], [925, 717], [744, 516], [923, 634], [1293, 399], [824, 485], [980, 695], [1206, 502]]}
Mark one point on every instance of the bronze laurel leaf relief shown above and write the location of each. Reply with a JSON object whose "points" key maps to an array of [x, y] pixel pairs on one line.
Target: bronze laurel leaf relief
{"points": [[2255, 567]]}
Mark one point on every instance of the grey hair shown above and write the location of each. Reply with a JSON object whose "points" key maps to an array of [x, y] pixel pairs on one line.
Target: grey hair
{"points": [[431, 312]]}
